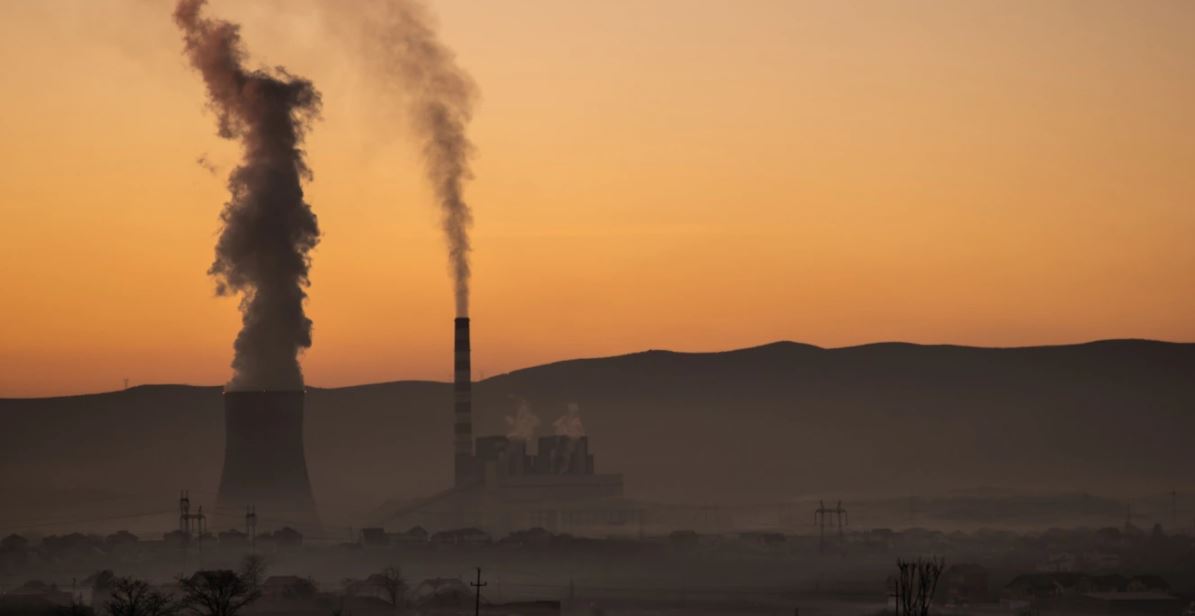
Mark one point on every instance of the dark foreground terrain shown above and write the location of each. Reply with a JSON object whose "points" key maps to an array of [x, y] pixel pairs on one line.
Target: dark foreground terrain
{"points": [[1086, 571]]}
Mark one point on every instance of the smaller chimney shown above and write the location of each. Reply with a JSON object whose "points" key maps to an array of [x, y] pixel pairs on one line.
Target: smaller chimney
{"points": [[463, 406]]}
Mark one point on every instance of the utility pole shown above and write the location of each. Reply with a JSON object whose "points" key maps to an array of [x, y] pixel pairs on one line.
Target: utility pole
{"points": [[184, 522], [184, 516], [477, 593], [819, 518], [202, 526], [251, 527]]}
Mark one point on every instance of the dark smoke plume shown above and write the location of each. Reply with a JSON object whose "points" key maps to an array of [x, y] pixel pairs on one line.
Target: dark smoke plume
{"points": [[439, 98], [268, 230]]}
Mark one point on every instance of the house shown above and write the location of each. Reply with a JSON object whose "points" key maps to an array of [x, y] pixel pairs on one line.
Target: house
{"points": [[14, 543], [1103, 583], [878, 538], [461, 536], [374, 537], [119, 539], [1083, 592], [74, 544], [233, 538], [1146, 583], [287, 537], [1037, 586], [376, 586], [440, 592], [1126, 603], [532, 536], [1058, 562], [13, 552], [683, 538], [176, 538], [763, 538], [1101, 560], [416, 535]]}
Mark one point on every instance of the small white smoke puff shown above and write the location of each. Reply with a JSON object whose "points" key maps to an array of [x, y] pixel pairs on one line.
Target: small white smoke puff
{"points": [[521, 427], [570, 424]]}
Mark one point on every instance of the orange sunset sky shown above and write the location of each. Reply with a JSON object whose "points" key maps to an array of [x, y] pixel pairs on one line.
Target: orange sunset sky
{"points": [[682, 174]]}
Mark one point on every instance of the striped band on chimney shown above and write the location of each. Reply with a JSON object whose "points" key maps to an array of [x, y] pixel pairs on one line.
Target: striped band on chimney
{"points": [[462, 405]]}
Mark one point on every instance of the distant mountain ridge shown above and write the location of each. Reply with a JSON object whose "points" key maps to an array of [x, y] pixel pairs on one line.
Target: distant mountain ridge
{"points": [[766, 423]]}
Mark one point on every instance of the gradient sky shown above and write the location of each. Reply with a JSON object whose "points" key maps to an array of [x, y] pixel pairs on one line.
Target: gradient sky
{"points": [[650, 174]]}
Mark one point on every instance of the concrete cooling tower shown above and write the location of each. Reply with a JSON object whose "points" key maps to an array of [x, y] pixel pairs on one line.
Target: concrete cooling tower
{"points": [[264, 463]]}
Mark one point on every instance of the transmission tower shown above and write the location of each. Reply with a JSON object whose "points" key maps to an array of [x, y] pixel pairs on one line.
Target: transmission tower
{"points": [[190, 523], [833, 517], [184, 513]]}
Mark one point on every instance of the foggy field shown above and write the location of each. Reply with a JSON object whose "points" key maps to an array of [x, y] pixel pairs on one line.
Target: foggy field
{"points": [[661, 575]]}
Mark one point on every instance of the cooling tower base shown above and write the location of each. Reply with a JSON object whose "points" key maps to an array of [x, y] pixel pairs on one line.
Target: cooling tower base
{"points": [[264, 463]]}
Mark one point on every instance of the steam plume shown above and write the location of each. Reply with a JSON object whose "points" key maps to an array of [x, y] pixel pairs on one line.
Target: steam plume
{"points": [[268, 230], [438, 97], [570, 424], [521, 426]]}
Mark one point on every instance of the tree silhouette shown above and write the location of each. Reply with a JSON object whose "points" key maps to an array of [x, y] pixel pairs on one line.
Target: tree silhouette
{"points": [[132, 597], [216, 593], [916, 585], [253, 570], [393, 583]]}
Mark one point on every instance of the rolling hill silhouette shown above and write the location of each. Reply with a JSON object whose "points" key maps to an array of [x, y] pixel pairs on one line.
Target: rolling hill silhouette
{"points": [[767, 423]]}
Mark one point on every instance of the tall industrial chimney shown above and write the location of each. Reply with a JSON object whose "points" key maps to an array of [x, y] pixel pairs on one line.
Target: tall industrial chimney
{"points": [[462, 388], [264, 463]]}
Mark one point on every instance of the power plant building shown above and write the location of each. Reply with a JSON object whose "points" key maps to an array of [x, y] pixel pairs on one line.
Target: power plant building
{"points": [[556, 488], [500, 486]]}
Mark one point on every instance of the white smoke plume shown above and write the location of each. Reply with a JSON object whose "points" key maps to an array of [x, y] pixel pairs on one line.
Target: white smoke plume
{"points": [[522, 425], [570, 424]]}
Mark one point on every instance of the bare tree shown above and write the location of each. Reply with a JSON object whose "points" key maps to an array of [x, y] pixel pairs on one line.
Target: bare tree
{"points": [[916, 584], [216, 593], [132, 597], [393, 583], [253, 570]]}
